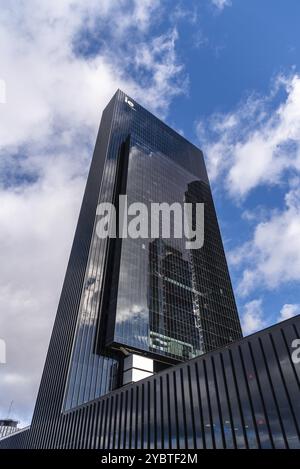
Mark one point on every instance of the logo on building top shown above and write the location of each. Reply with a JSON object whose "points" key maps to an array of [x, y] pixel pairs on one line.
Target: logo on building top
{"points": [[130, 103]]}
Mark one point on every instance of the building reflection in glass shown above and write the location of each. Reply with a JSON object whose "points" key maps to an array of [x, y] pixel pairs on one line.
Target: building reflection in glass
{"points": [[170, 301]]}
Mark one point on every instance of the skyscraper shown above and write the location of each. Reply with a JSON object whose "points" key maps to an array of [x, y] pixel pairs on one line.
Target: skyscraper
{"points": [[134, 307], [148, 297]]}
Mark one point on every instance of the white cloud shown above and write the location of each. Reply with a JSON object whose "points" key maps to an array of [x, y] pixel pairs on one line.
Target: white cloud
{"points": [[252, 317], [258, 142], [159, 59], [288, 311], [37, 225], [220, 4], [272, 256], [54, 99], [47, 83]]}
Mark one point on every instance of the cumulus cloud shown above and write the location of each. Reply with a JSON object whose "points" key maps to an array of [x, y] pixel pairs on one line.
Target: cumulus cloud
{"points": [[288, 311], [252, 317], [272, 256], [47, 83], [37, 224], [61, 62], [257, 143]]}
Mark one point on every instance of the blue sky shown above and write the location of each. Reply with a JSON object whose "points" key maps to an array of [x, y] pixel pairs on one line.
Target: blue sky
{"points": [[224, 73], [238, 53], [243, 48]]}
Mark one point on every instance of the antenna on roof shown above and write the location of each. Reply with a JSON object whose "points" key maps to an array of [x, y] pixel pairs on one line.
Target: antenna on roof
{"points": [[10, 408]]}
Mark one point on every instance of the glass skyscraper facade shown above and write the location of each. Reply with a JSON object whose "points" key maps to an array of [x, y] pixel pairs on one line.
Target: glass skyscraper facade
{"points": [[150, 295]]}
